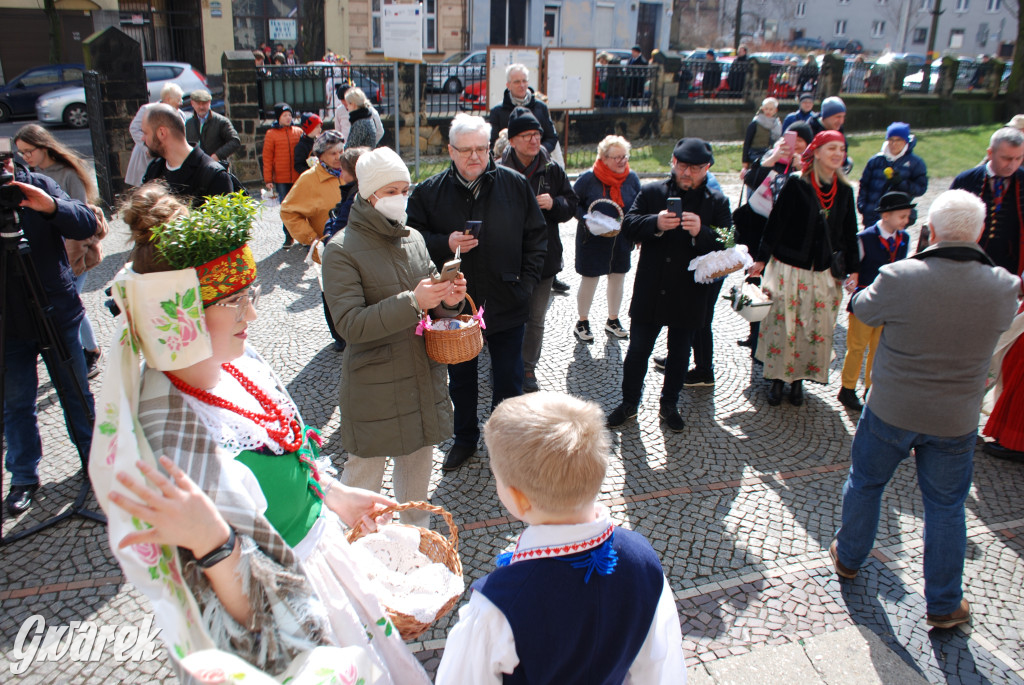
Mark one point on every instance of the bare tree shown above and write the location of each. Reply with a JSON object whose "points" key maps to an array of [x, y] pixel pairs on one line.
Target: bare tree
{"points": [[56, 37]]}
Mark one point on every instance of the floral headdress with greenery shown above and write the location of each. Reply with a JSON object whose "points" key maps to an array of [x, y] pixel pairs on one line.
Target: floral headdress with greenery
{"points": [[213, 240]]}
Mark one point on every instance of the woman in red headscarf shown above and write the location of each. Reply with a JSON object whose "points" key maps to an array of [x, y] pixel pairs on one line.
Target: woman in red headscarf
{"points": [[812, 223]]}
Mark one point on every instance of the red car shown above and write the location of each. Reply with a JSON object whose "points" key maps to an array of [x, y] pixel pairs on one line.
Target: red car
{"points": [[474, 97]]}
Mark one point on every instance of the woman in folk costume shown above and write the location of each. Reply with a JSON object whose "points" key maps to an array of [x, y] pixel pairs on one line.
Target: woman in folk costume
{"points": [[236, 536], [812, 224]]}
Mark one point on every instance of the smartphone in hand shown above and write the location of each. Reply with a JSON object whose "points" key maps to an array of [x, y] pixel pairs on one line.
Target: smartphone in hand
{"points": [[675, 206], [473, 228]]}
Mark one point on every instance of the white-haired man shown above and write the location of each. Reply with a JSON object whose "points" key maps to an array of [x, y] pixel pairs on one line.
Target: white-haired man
{"points": [[943, 311], [518, 93], [998, 182], [502, 262]]}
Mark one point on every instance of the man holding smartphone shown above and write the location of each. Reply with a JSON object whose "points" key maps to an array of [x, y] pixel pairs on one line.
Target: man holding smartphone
{"points": [[664, 292]]}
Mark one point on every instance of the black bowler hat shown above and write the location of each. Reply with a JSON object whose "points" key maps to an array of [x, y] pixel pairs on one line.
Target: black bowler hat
{"points": [[891, 202]]}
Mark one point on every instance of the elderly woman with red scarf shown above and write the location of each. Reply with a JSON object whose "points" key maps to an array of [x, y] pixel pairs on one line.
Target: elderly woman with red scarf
{"points": [[812, 223], [596, 256]]}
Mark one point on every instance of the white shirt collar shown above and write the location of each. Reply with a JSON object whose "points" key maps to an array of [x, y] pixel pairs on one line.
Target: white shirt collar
{"points": [[549, 537]]}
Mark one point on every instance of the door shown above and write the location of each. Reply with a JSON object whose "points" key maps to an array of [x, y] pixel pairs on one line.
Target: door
{"points": [[508, 22], [551, 26], [647, 27]]}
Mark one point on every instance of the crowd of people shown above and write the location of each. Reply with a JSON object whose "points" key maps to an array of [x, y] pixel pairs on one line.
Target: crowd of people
{"points": [[257, 518]]}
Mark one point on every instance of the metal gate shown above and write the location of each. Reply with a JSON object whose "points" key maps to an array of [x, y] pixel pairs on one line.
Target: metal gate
{"points": [[174, 34]]}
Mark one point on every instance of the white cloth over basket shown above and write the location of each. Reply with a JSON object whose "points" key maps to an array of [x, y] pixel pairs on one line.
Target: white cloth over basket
{"points": [[404, 579], [732, 259], [600, 224]]}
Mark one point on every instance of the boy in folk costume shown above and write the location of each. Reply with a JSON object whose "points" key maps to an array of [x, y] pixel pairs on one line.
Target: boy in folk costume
{"points": [[885, 242], [572, 566]]}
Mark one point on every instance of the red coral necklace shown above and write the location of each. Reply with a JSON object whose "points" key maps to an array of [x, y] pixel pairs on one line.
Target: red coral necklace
{"points": [[282, 429], [828, 197]]}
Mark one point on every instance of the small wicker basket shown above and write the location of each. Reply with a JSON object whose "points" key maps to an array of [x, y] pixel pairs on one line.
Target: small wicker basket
{"points": [[459, 345], [725, 272], [618, 209], [435, 546]]}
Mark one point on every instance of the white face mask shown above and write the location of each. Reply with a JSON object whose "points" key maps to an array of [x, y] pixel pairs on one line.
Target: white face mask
{"points": [[392, 206]]}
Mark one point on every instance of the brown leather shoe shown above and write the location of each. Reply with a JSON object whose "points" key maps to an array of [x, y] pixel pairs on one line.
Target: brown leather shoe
{"points": [[961, 615], [841, 570]]}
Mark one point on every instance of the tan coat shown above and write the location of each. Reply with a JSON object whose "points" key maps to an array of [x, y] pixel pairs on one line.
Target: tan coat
{"points": [[308, 205], [393, 397]]}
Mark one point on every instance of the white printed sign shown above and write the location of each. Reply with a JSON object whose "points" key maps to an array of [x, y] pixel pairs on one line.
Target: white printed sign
{"points": [[402, 32]]}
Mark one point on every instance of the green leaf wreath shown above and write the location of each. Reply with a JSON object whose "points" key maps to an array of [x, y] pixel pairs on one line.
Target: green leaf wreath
{"points": [[221, 225]]}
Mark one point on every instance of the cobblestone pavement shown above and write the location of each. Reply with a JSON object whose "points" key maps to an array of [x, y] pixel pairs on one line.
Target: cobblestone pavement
{"points": [[741, 506]]}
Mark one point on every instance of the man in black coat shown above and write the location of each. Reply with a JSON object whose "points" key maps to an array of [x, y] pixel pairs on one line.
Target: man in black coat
{"points": [[557, 203], [519, 94], [47, 217], [503, 264], [998, 182], [188, 170], [211, 131], [664, 292]]}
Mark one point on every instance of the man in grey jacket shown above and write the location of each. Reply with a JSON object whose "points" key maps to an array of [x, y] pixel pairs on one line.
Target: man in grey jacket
{"points": [[212, 132], [943, 311]]}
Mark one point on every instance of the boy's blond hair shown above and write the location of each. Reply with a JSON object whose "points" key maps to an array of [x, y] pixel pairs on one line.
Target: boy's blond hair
{"points": [[550, 446]]}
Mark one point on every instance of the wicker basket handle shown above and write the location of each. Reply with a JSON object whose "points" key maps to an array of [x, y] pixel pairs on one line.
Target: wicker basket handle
{"points": [[472, 308], [613, 203], [453, 530]]}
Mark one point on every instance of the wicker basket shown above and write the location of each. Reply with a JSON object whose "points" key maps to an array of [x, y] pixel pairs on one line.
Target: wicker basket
{"points": [[460, 345], [438, 548], [618, 209], [725, 272]]}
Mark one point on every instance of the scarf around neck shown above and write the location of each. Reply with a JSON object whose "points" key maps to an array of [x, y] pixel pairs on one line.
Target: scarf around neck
{"points": [[510, 159], [521, 102], [613, 180]]}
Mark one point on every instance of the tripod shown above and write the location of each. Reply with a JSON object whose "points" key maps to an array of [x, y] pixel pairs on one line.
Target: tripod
{"points": [[16, 260]]}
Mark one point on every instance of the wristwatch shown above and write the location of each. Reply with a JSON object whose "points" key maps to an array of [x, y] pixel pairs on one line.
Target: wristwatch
{"points": [[220, 554]]}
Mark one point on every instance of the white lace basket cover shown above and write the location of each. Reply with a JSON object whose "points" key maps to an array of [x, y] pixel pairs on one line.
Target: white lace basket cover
{"points": [[601, 224]]}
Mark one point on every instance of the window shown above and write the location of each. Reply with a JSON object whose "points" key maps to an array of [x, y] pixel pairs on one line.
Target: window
{"points": [[801, 9], [844, 2], [840, 27], [995, 5], [429, 12], [982, 34], [41, 77], [961, 6], [956, 39], [877, 29], [920, 36], [925, 6], [265, 21], [883, 2]]}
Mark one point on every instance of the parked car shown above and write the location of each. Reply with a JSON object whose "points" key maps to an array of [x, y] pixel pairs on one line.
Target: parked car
{"points": [[67, 105], [965, 70], [807, 44], [18, 96], [457, 71], [850, 47], [620, 56], [474, 97], [915, 61]]}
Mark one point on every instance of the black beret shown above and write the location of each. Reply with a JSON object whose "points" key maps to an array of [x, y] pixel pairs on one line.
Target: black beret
{"points": [[693, 151]]}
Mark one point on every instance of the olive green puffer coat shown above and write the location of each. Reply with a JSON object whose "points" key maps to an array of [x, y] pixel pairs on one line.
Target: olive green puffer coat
{"points": [[393, 398]]}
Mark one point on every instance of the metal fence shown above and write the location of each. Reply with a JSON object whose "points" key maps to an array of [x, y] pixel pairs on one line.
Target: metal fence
{"points": [[319, 87]]}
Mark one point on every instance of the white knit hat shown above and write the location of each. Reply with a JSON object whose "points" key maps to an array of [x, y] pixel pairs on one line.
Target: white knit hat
{"points": [[377, 168]]}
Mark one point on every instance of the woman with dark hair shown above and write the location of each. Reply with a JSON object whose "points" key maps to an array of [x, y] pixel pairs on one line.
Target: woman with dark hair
{"points": [[812, 225], [48, 156]]}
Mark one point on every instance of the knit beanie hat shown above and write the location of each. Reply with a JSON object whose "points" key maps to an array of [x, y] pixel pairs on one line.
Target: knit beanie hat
{"points": [[326, 140], [806, 96], [279, 109], [377, 168], [693, 151], [309, 122], [520, 121], [803, 130], [832, 106], [898, 129]]}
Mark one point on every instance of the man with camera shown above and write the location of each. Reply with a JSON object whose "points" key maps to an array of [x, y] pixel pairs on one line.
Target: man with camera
{"points": [[46, 216], [187, 170]]}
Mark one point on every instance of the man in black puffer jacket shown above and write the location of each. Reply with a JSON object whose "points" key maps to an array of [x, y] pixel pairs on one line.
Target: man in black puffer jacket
{"points": [[664, 292], [557, 203], [502, 266]]}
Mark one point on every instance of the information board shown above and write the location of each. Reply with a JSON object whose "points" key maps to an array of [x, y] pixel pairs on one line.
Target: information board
{"points": [[402, 32], [282, 29], [570, 78], [499, 57]]}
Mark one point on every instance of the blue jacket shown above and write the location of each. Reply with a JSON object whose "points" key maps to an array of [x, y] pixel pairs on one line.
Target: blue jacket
{"points": [[45, 236], [597, 256], [910, 176], [796, 116]]}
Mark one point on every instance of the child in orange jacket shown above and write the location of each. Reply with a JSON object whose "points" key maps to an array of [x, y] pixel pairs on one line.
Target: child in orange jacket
{"points": [[279, 156]]}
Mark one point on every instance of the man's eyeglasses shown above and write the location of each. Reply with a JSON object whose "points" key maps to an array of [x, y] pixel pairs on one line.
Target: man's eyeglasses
{"points": [[241, 302], [480, 150], [689, 168], [529, 136]]}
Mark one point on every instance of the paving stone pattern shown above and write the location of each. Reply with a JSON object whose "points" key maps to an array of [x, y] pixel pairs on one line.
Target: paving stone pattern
{"points": [[741, 506]]}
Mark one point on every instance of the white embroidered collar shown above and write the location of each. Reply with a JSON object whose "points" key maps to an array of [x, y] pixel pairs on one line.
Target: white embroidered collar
{"points": [[540, 542]]}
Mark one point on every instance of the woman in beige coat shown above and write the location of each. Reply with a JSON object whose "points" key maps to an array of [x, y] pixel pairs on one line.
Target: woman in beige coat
{"points": [[378, 282]]}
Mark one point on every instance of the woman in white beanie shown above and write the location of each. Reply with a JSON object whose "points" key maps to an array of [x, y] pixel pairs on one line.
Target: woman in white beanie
{"points": [[378, 284]]}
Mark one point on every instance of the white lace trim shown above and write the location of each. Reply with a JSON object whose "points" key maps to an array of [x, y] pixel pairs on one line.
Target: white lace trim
{"points": [[233, 432]]}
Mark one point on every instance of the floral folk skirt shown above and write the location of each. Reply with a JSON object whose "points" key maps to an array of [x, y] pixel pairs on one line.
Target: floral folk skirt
{"points": [[795, 342]]}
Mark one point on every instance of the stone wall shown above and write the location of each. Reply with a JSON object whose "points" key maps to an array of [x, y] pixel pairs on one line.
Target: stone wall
{"points": [[241, 106]]}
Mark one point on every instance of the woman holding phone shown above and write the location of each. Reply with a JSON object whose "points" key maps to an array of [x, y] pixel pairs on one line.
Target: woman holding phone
{"points": [[378, 282]]}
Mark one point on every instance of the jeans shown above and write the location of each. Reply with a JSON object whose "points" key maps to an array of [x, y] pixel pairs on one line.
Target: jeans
{"points": [[534, 336], [642, 337], [506, 348], [282, 190], [944, 470], [24, 447], [85, 333], [703, 342]]}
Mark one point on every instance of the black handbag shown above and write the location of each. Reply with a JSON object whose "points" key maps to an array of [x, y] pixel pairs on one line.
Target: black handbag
{"points": [[837, 265]]}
